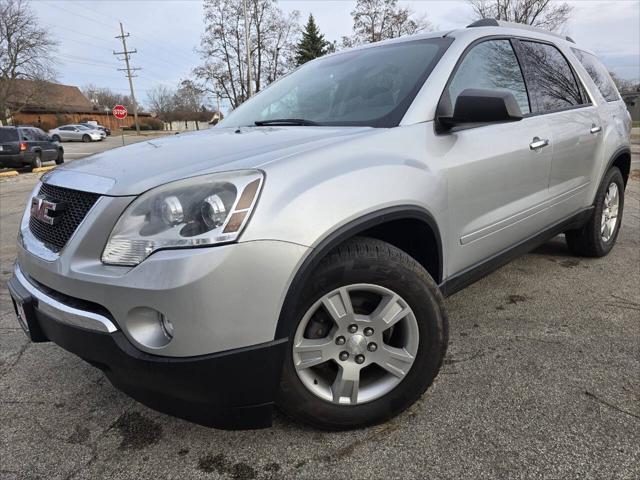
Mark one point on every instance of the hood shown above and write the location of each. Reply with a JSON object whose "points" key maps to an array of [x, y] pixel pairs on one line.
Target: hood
{"points": [[136, 168]]}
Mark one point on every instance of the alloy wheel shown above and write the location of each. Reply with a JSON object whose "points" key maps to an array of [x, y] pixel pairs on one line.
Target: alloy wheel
{"points": [[609, 212], [355, 344]]}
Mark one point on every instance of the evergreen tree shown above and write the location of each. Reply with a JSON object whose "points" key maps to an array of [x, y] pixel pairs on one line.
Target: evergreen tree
{"points": [[312, 44]]}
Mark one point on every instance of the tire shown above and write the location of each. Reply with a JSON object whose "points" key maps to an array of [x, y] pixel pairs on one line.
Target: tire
{"points": [[590, 241], [37, 161], [371, 264], [60, 157], [86, 138], [56, 138]]}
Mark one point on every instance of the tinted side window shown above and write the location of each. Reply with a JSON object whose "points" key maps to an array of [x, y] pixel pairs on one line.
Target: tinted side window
{"points": [[27, 134], [551, 81], [599, 75], [40, 135], [490, 65]]}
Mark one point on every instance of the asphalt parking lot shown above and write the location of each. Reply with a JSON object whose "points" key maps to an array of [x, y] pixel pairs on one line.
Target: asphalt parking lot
{"points": [[77, 150], [542, 380]]}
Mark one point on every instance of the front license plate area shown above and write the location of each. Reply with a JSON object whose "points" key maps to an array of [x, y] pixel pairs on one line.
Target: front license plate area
{"points": [[22, 315], [24, 306]]}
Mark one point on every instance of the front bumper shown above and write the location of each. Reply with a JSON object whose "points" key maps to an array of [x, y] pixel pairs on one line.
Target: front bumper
{"points": [[232, 389]]}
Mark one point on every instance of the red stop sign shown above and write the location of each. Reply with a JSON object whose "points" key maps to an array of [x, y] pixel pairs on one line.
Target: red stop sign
{"points": [[120, 112]]}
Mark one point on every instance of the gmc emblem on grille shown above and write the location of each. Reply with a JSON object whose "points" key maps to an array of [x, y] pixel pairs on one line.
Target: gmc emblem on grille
{"points": [[41, 209]]}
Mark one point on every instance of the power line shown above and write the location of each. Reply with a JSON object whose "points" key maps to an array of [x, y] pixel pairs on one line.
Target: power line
{"points": [[153, 43], [127, 54]]}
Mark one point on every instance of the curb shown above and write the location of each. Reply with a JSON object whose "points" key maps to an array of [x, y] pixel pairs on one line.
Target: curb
{"points": [[42, 169], [10, 173]]}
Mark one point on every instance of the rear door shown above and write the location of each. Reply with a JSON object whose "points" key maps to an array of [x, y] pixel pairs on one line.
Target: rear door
{"points": [[498, 182], [49, 149], [67, 133], [576, 138], [611, 109]]}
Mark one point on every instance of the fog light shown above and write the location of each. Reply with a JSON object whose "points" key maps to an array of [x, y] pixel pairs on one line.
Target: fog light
{"points": [[149, 327]]}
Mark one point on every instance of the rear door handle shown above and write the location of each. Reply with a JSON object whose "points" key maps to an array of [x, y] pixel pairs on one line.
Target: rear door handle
{"points": [[595, 129], [538, 143]]}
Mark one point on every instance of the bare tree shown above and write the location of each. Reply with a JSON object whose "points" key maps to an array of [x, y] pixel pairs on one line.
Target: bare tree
{"points": [[375, 20], [545, 14], [160, 101], [222, 47], [622, 84], [106, 98], [26, 53]]}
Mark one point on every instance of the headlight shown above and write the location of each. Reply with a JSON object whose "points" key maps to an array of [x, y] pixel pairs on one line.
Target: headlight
{"points": [[197, 211]]}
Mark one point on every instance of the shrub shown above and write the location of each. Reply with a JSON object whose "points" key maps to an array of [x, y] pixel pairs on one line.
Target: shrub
{"points": [[152, 124]]}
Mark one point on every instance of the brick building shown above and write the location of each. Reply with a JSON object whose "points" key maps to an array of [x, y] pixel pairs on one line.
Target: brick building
{"points": [[48, 105]]}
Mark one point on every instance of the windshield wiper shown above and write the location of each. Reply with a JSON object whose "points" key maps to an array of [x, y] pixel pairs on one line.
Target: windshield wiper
{"points": [[285, 121]]}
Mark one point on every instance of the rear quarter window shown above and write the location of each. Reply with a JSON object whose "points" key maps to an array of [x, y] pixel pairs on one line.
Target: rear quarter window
{"points": [[8, 135], [598, 74]]}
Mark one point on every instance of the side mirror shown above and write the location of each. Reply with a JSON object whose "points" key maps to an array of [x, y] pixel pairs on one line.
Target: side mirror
{"points": [[476, 105]]}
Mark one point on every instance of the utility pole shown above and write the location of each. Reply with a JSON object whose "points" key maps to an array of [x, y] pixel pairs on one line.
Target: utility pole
{"points": [[247, 41], [128, 69]]}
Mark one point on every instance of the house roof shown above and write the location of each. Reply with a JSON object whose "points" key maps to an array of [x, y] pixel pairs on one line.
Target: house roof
{"points": [[40, 96]]}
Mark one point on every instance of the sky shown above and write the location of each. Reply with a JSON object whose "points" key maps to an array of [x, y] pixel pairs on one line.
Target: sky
{"points": [[166, 33]]}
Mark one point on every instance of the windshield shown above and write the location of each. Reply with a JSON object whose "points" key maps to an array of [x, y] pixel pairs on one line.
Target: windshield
{"points": [[368, 87]]}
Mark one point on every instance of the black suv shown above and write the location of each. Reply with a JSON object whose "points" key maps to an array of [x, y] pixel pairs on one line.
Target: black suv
{"points": [[24, 146]]}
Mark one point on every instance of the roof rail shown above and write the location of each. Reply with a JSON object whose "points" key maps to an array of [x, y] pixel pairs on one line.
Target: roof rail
{"points": [[492, 22], [484, 22]]}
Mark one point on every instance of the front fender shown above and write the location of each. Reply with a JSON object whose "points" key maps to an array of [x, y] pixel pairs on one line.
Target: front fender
{"points": [[305, 199]]}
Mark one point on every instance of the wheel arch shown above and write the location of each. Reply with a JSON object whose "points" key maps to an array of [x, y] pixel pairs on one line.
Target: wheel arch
{"points": [[621, 158], [393, 225]]}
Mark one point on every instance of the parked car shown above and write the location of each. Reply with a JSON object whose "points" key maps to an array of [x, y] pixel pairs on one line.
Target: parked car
{"points": [[77, 132], [97, 126], [27, 146], [304, 260]]}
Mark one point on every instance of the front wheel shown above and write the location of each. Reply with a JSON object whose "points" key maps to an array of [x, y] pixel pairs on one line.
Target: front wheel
{"points": [[368, 339], [598, 236], [86, 138]]}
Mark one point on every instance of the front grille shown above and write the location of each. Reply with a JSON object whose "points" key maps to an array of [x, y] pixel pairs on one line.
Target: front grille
{"points": [[77, 205]]}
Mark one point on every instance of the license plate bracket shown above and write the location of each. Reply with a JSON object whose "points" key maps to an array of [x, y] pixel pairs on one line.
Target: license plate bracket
{"points": [[24, 307]]}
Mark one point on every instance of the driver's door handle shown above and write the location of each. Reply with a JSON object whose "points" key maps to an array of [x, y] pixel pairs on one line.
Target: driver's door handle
{"points": [[538, 143], [595, 129]]}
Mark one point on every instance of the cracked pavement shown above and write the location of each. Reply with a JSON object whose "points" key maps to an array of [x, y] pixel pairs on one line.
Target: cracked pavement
{"points": [[542, 380]]}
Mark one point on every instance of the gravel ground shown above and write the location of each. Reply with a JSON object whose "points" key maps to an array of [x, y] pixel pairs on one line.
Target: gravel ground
{"points": [[542, 380]]}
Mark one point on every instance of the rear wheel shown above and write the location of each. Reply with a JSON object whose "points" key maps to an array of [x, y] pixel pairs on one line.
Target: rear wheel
{"points": [[598, 236], [60, 157], [37, 160], [86, 138], [56, 138], [369, 338]]}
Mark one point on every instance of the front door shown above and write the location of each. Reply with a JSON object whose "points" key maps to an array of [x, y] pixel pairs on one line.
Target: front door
{"points": [[498, 174]]}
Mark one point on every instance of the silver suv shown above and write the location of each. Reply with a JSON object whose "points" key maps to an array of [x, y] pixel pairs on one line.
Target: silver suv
{"points": [[298, 253]]}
